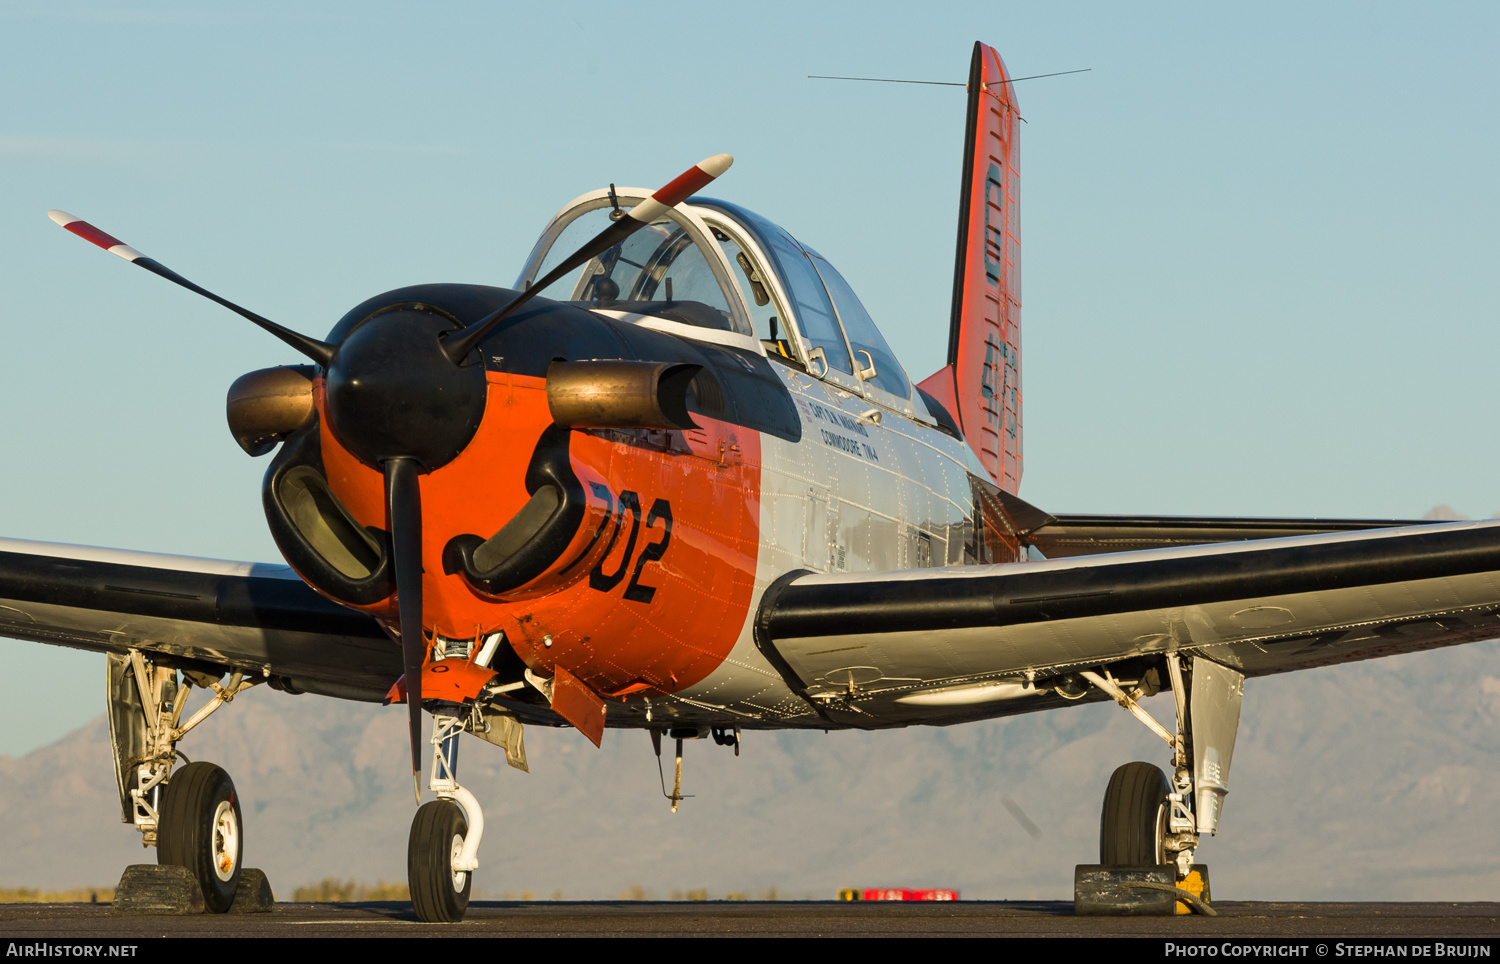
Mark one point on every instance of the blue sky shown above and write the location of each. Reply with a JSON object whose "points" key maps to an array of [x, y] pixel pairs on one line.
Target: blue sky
{"points": [[1259, 241]]}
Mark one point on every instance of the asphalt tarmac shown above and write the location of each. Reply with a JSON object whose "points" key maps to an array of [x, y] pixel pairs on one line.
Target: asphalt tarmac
{"points": [[1454, 925]]}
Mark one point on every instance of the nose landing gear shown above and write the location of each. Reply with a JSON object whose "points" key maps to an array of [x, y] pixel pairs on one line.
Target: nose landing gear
{"points": [[439, 891], [443, 850]]}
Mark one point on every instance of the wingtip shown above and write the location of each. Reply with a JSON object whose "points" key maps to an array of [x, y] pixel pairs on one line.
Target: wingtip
{"points": [[61, 218]]}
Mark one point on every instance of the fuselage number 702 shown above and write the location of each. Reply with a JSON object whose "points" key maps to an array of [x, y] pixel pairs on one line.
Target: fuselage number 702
{"points": [[661, 511]]}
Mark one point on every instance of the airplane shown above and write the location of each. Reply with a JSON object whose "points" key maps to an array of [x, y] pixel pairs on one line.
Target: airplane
{"points": [[676, 480]]}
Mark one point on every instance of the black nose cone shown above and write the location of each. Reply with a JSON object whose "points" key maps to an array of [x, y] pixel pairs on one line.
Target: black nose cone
{"points": [[392, 393]]}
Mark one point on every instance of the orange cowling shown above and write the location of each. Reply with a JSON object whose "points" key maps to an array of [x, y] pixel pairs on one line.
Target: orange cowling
{"points": [[666, 588], [655, 587]]}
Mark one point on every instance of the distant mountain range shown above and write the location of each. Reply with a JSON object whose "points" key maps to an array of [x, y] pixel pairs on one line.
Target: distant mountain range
{"points": [[1378, 780]]}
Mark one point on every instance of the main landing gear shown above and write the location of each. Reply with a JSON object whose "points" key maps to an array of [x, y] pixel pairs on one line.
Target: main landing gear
{"points": [[1133, 827], [192, 815], [199, 828], [1148, 820], [442, 852]]}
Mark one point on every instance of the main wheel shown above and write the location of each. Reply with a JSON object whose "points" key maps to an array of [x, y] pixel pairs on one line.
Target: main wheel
{"points": [[1133, 828], [439, 894], [198, 827]]}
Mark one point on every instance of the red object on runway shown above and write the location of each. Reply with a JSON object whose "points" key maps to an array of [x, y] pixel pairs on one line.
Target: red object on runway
{"points": [[901, 893]]}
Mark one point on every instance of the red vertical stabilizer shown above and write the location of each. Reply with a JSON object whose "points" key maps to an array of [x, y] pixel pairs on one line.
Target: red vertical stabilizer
{"points": [[981, 386]]}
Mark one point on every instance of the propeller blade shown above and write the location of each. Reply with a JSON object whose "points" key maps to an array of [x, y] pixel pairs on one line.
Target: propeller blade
{"points": [[318, 351], [679, 189], [403, 501]]}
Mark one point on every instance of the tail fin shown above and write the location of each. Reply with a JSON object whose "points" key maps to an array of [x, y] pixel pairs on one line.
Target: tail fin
{"points": [[981, 385]]}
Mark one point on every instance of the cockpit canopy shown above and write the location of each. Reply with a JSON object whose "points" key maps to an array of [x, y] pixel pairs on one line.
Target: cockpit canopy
{"points": [[713, 271]]}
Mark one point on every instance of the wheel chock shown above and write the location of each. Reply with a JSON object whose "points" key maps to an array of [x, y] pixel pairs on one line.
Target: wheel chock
{"points": [[157, 889], [1151, 891], [1195, 883], [253, 895]]}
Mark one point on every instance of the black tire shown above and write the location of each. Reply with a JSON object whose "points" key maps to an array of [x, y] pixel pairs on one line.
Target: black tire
{"points": [[1133, 828], [437, 834], [199, 827]]}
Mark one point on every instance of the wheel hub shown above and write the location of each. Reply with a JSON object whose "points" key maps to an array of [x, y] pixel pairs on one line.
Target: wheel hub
{"points": [[226, 837], [459, 876]]}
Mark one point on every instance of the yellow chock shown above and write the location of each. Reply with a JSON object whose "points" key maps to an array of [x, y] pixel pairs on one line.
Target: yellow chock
{"points": [[1195, 883]]}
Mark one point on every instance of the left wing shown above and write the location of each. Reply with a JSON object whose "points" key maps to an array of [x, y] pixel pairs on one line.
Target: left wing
{"points": [[965, 642], [261, 620]]}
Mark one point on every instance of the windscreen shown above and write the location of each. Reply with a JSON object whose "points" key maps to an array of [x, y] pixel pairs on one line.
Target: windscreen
{"points": [[659, 270]]}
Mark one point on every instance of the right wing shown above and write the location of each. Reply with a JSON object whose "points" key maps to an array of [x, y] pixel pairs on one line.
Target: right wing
{"points": [[941, 645], [1081, 535], [261, 620]]}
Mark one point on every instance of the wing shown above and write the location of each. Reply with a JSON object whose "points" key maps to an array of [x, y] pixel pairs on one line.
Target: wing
{"points": [[1061, 536], [258, 619], [966, 642]]}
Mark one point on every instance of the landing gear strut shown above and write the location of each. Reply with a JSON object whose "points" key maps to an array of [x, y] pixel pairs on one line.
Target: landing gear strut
{"points": [[1146, 819], [192, 815], [442, 852]]}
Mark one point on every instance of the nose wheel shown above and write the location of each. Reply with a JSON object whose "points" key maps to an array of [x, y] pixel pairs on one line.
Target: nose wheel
{"points": [[199, 828], [442, 852], [439, 892]]}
